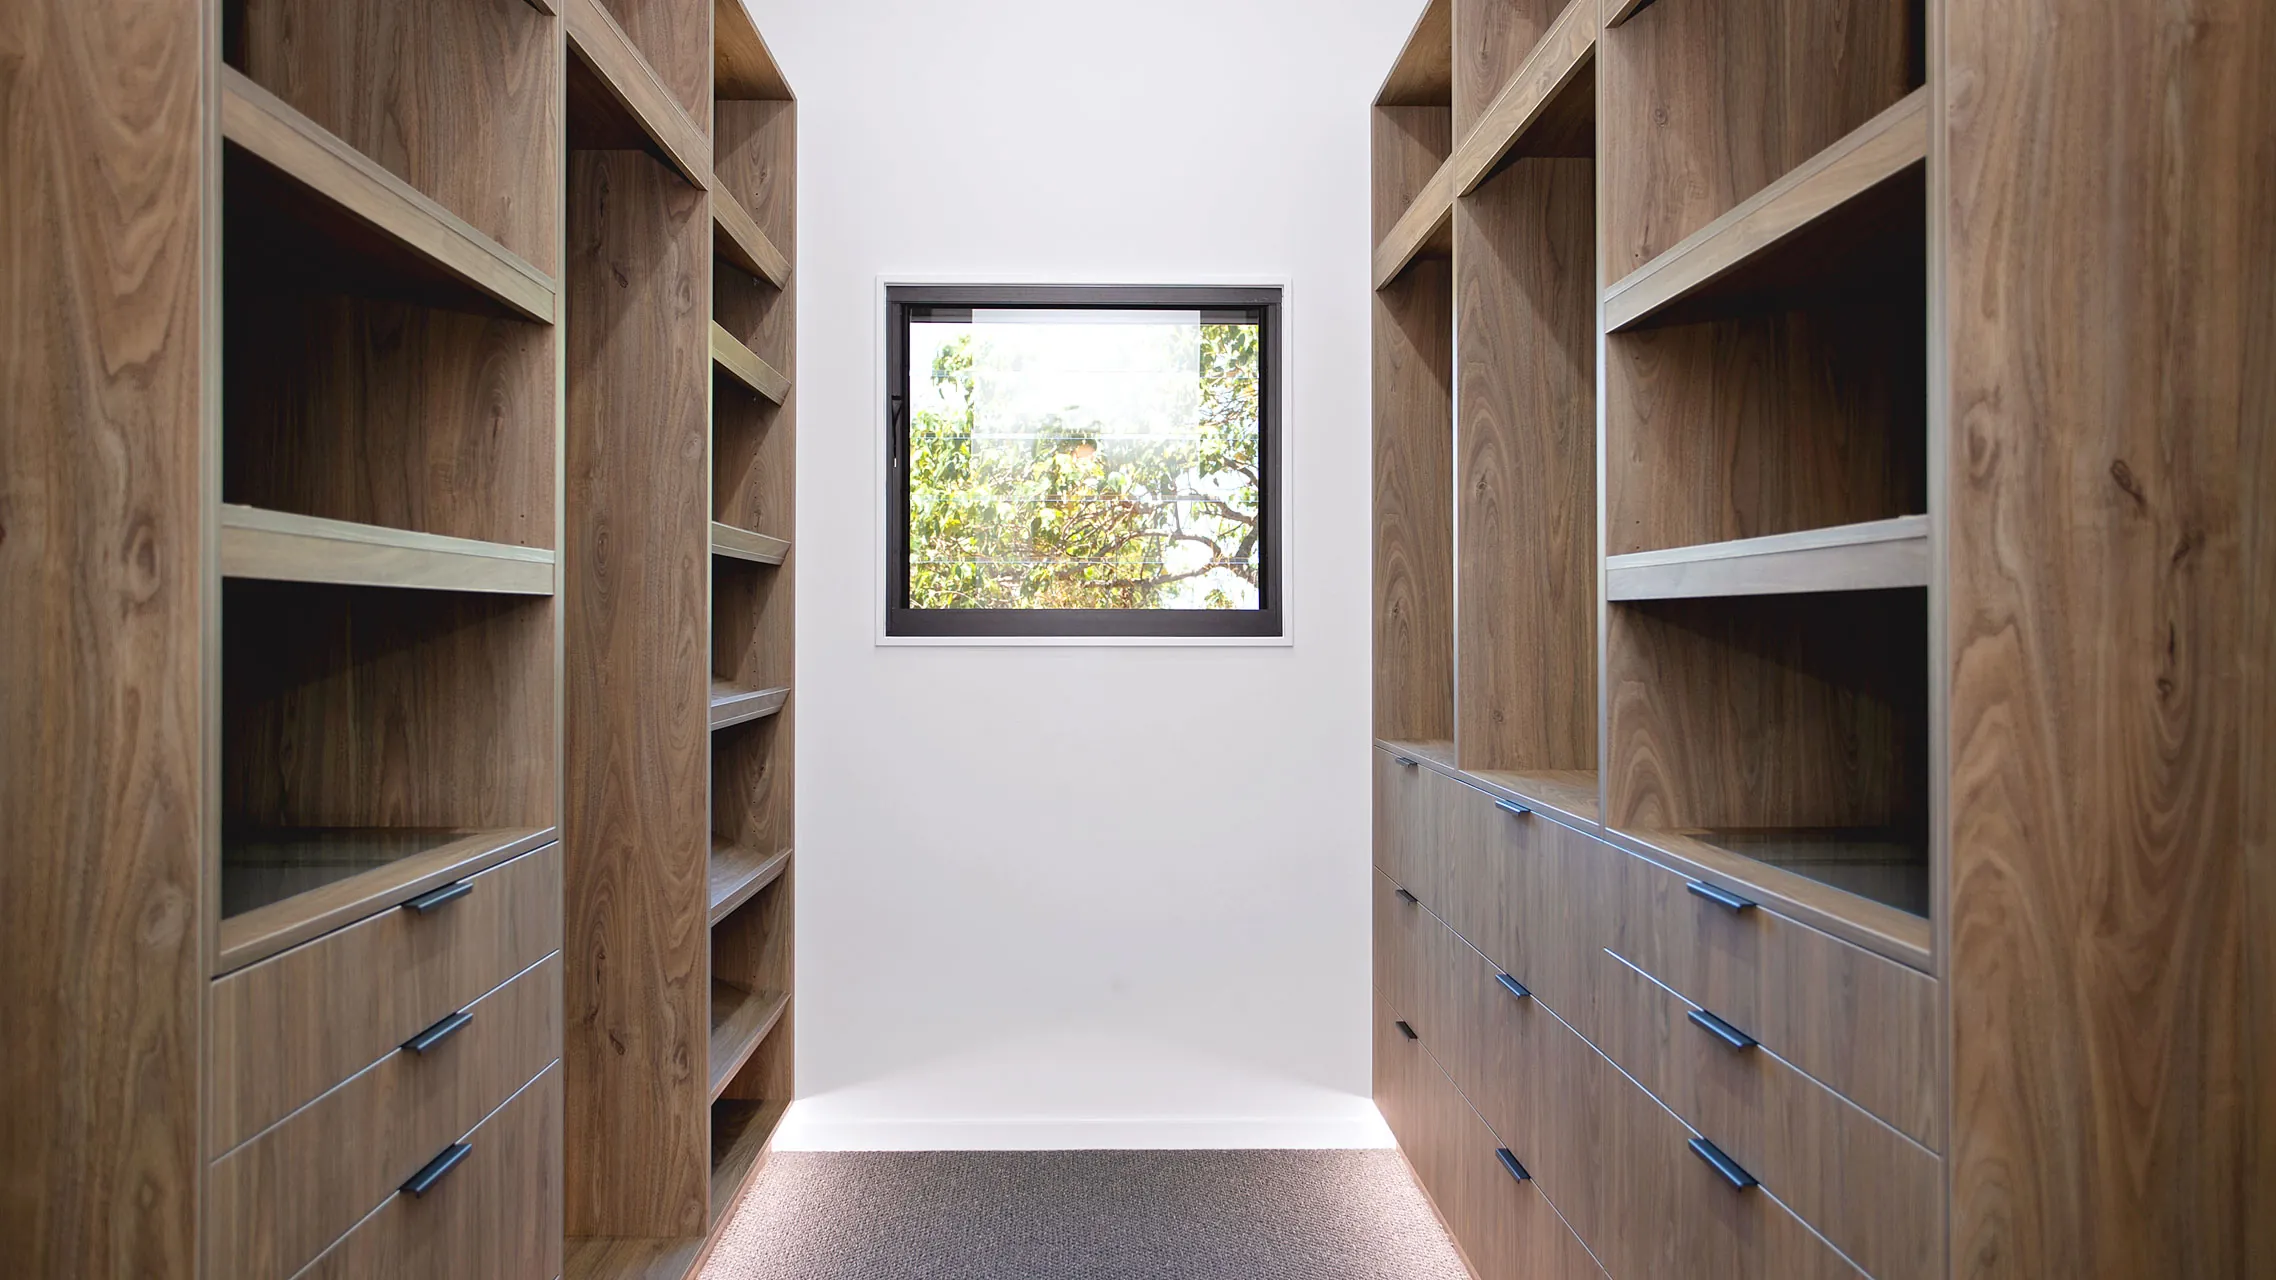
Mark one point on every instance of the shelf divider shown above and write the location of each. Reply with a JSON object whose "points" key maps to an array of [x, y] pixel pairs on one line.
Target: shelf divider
{"points": [[745, 366], [1855, 557], [738, 872], [742, 544], [283, 547], [1868, 156], [355, 185], [732, 704], [633, 85], [738, 238], [740, 1021]]}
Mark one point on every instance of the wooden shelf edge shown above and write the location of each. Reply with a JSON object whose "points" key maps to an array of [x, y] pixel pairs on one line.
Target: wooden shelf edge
{"points": [[597, 41], [1861, 160], [1565, 48], [1428, 217], [738, 873], [1884, 930], [543, 6], [751, 1016], [745, 366], [1859, 557], [265, 931], [733, 704], [1557, 797], [270, 129], [738, 238], [743, 544], [743, 68], [282, 547], [1619, 11]]}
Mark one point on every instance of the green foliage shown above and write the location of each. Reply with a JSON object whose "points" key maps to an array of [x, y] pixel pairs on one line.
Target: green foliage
{"points": [[1078, 519]]}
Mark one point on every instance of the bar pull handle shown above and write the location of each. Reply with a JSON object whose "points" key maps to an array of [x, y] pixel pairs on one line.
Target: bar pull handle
{"points": [[425, 1179], [433, 898], [1408, 898], [1510, 1163], [439, 1032], [1720, 897], [1405, 762], [1512, 808], [1722, 1030], [1405, 1030], [1513, 986], [1739, 1178]]}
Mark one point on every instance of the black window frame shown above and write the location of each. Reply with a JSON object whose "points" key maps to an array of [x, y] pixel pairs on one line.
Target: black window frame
{"points": [[1266, 621]]}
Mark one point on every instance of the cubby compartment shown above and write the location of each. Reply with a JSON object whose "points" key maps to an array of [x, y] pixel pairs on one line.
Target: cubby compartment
{"points": [[1414, 506], [1492, 39], [1413, 137], [1791, 730]]}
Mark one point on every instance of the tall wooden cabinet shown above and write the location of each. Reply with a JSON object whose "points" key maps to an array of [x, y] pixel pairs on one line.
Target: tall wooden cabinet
{"points": [[1821, 635], [395, 884]]}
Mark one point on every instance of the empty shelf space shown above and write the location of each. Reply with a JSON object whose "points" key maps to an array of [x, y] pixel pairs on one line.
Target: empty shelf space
{"points": [[742, 1133], [742, 67], [1778, 218], [1866, 885], [736, 236], [733, 703], [744, 365], [1856, 557], [1546, 109], [349, 199], [283, 547], [742, 544], [740, 1021], [1566, 795], [738, 872], [282, 886], [617, 101]]}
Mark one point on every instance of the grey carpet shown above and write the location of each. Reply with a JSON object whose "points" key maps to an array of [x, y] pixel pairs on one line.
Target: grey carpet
{"points": [[1099, 1215]]}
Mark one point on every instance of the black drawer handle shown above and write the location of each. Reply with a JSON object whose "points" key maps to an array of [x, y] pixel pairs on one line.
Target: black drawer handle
{"points": [[433, 898], [438, 1033], [1513, 986], [1408, 898], [425, 1179], [1510, 1163], [1720, 897], [1739, 1178], [1513, 808], [1405, 1030], [1722, 1030], [1405, 762]]}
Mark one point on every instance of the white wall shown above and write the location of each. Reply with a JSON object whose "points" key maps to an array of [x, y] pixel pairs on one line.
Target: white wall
{"points": [[998, 945]]}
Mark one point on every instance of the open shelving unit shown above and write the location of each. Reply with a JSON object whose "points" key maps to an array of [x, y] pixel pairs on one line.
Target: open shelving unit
{"points": [[682, 208]]}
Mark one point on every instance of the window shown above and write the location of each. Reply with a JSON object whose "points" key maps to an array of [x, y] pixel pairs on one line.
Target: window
{"points": [[1096, 461]]}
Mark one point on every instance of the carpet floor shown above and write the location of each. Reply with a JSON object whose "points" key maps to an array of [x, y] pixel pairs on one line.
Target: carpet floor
{"points": [[1096, 1215]]}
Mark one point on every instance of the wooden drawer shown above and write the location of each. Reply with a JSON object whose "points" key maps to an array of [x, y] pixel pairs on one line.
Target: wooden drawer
{"points": [[294, 1025], [495, 1216], [1865, 1187], [1533, 905], [1504, 1059], [1862, 1025], [1406, 968], [1406, 839], [277, 1201]]}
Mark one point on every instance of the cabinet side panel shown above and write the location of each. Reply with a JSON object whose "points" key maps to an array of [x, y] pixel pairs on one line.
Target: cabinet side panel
{"points": [[1414, 504]]}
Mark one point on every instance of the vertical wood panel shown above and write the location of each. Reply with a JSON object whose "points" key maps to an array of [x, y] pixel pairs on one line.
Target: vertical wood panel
{"points": [[635, 833], [1491, 39], [1414, 516], [1410, 143], [101, 403], [2110, 301]]}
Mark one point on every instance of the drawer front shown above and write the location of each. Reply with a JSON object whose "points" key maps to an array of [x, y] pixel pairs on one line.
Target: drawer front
{"points": [[1407, 973], [1862, 1025], [1551, 910], [277, 1201], [495, 1216], [1405, 835], [294, 1025], [1506, 1064], [1865, 1187]]}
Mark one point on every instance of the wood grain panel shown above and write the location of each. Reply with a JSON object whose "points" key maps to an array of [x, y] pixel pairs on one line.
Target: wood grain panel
{"points": [[1424, 232], [741, 64], [1850, 557], [1410, 144], [103, 886], [617, 100], [1525, 281], [674, 37], [2112, 327], [1410, 838], [738, 239], [1491, 37], [737, 872], [1547, 109], [276, 1202], [496, 1216], [287, 1029], [1707, 102], [636, 829], [742, 544], [1424, 71], [1538, 907], [1414, 516], [282, 547], [459, 98], [744, 365]]}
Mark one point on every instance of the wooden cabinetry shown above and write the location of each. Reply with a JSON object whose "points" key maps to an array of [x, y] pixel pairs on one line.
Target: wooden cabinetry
{"points": [[1813, 570]]}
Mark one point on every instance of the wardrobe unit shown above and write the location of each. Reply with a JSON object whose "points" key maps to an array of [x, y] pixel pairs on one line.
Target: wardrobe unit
{"points": [[1822, 661], [395, 886]]}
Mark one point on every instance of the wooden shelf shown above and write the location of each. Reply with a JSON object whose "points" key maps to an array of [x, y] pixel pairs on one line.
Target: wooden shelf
{"points": [[1535, 102], [733, 704], [1569, 796], [742, 1134], [616, 99], [737, 237], [1856, 557], [282, 547], [743, 364], [1889, 931], [1624, 10], [740, 1020], [1424, 72], [359, 201], [739, 872], [1772, 218], [742, 67], [742, 544], [281, 887], [1425, 229]]}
